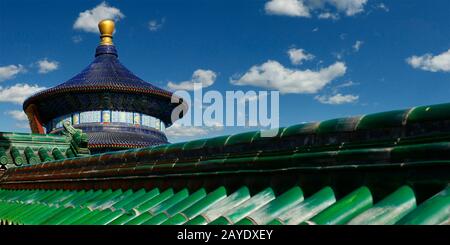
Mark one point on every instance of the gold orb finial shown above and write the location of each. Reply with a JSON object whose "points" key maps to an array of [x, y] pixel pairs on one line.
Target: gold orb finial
{"points": [[106, 28]]}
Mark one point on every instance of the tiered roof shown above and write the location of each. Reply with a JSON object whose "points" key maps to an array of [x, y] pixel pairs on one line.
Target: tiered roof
{"points": [[101, 86], [105, 85]]}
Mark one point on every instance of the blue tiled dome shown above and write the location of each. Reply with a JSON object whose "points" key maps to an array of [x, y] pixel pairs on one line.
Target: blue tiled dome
{"points": [[105, 84], [107, 72], [104, 73]]}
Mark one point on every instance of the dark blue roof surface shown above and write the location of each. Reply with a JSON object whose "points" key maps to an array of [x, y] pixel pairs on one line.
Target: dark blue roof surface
{"points": [[105, 72]]}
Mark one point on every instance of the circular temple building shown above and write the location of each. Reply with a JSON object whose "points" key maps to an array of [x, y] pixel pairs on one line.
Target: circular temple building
{"points": [[114, 107]]}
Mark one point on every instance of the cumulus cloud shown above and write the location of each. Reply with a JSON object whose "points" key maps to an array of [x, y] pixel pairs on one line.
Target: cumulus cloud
{"points": [[357, 45], [88, 20], [9, 72], [337, 99], [46, 66], [349, 7], [429, 62], [273, 75], [155, 25], [287, 7], [297, 56], [205, 77], [328, 15], [18, 92], [177, 130], [305, 8], [18, 115]]}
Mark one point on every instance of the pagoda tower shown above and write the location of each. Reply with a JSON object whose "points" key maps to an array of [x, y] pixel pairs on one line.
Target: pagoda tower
{"points": [[114, 107]]}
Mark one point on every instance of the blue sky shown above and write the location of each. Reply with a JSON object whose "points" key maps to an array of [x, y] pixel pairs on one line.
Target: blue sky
{"points": [[348, 57]]}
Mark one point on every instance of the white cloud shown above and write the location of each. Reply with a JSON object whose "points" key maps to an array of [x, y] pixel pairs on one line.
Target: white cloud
{"points": [[343, 85], [337, 99], [88, 20], [23, 125], [357, 45], [328, 15], [177, 130], [252, 97], [9, 72], [349, 7], [273, 75], [297, 56], [46, 66], [18, 93], [18, 115], [304, 8], [205, 77], [287, 7], [428, 62], [155, 25], [347, 84], [383, 7]]}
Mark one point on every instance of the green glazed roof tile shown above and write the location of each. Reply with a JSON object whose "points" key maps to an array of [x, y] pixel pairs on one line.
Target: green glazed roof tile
{"points": [[174, 147], [306, 209], [274, 208], [383, 120], [112, 215], [187, 202], [157, 219], [81, 212], [102, 202], [217, 141], [346, 124], [60, 216], [206, 202], [100, 197], [144, 207], [222, 206], [344, 209], [389, 210], [304, 128], [194, 145], [428, 113], [237, 213], [125, 201], [143, 217], [242, 138], [433, 211], [85, 218], [142, 199], [170, 202], [139, 219]]}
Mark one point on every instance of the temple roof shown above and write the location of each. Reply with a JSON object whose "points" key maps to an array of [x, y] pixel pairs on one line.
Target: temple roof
{"points": [[384, 168], [105, 84], [105, 73]]}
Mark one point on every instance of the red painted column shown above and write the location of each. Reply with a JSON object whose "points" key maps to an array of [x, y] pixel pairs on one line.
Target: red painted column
{"points": [[34, 119]]}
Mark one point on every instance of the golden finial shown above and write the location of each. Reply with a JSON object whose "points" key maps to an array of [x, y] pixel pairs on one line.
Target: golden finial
{"points": [[106, 28]]}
